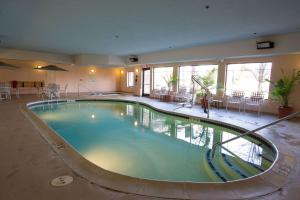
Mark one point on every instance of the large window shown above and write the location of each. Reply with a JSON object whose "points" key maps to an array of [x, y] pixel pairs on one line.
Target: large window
{"points": [[130, 79], [248, 77], [161, 74], [186, 72]]}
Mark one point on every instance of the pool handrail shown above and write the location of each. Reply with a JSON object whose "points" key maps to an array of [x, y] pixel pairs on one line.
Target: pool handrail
{"points": [[252, 131], [207, 91]]}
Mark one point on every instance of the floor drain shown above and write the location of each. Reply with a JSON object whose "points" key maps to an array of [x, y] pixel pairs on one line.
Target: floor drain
{"points": [[60, 146], [61, 181]]}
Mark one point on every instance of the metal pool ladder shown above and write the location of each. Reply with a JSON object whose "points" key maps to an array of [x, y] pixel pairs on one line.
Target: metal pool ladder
{"points": [[252, 131], [207, 91]]}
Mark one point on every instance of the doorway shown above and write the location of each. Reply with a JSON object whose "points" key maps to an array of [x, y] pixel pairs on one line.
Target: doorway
{"points": [[146, 82]]}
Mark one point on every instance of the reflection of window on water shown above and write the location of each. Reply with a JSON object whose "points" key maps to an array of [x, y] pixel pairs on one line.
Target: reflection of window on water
{"points": [[129, 110], [243, 148], [195, 134], [159, 124], [146, 117], [183, 132], [205, 136]]}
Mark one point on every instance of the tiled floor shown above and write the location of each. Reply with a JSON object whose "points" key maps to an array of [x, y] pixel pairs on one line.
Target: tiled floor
{"points": [[28, 163]]}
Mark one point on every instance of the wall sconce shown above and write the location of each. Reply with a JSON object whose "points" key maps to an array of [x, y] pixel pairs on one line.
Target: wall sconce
{"points": [[92, 71], [298, 72], [137, 70], [122, 72]]}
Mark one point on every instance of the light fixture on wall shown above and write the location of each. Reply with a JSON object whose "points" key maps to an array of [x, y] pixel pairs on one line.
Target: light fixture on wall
{"points": [[92, 71], [39, 66], [137, 70], [122, 72]]}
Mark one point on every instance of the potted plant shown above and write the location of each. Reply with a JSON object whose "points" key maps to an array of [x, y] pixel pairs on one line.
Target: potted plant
{"points": [[199, 96], [281, 91], [170, 81]]}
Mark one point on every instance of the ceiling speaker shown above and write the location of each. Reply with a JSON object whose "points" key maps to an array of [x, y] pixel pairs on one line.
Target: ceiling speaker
{"points": [[133, 59]]}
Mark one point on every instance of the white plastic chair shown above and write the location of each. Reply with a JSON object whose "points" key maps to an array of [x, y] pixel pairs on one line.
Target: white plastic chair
{"points": [[52, 91], [181, 95], [256, 99], [163, 92], [64, 91], [5, 93], [237, 97], [156, 94]]}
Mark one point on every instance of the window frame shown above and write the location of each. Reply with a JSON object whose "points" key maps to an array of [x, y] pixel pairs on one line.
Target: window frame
{"points": [[130, 84], [153, 80], [267, 93], [214, 91]]}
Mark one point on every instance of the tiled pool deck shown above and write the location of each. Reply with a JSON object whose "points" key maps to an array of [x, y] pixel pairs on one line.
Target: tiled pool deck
{"points": [[28, 163]]}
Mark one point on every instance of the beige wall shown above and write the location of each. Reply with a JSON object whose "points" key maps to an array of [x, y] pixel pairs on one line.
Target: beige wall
{"points": [[103, 79], [284, 44]]}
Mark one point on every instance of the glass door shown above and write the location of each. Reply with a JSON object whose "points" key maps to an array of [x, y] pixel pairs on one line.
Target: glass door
{"points": [[146, 82]]}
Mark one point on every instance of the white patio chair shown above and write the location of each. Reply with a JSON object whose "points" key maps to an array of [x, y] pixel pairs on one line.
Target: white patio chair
{"points": [[181, 95], [64, 91], [255, 100], [237, 97], [52, 91], [5, 93], [156, 94], [163, 92]]}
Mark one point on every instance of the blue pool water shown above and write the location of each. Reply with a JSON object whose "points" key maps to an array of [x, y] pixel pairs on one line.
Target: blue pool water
{"points": [[137, 141]]}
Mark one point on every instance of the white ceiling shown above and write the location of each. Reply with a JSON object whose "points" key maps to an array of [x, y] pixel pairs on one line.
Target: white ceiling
{"points": [[124, 27]]}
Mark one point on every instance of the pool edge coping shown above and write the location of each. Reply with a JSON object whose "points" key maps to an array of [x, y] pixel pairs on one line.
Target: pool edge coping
{"points": [[164, 189]]}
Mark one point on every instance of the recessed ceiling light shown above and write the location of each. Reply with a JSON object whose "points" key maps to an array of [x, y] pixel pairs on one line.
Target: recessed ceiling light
{"points": [[254, 33], [207, 7]]}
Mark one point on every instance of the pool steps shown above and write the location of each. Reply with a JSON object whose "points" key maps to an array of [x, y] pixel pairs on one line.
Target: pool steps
{"points": [[226, 167]]}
